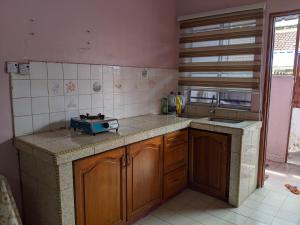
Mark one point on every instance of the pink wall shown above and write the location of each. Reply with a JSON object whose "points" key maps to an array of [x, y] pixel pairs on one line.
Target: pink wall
{"points": [[279, 117], [135, 33]]}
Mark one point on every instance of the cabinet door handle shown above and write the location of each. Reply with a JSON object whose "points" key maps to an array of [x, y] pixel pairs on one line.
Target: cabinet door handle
{"points": [[129, 160], [124, 160]]}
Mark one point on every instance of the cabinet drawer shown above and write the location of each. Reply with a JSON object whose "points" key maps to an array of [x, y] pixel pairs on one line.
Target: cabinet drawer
{"points": [[175, 181], [176, 138], [175, 157]]}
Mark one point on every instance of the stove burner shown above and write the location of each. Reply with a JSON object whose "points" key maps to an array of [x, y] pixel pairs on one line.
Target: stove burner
{"points": [[88, 117]]}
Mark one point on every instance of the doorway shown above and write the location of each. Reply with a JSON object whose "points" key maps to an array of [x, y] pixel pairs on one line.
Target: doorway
{"points": [[282, 154]]}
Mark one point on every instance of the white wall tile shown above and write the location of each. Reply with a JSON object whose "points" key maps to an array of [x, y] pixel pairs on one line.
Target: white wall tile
{"points": [[71, 102], [96, 86], [57, 104], [38, 70], [40, 122], [84, 86], [84, 71], [20, 88], [70, 87], [108, 100], [96, 111], [85, 101], [23, 125], [96, 72], [97, 101], [55, 71], [109, 112], [57, 120], [15, 76], [39, 88], [55, 87], [70, 114], [108, 77], [73, 88], [22, 107], [70, 71], [85, 111], [40, 105], [119, 112]]}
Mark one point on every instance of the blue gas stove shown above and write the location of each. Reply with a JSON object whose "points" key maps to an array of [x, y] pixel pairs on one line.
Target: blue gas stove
{"points": [[94, 124]]}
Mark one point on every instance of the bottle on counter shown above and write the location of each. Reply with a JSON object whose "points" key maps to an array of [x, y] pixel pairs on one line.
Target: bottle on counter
{"points": [[178, 105], [164, 106], [172, 103]]}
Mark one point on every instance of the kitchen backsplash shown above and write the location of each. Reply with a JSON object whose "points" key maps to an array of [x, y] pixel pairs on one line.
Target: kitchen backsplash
{"points": [[54, 92]]}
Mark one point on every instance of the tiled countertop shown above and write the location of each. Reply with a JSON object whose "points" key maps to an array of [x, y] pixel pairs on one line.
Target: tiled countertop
{"points": [[66, 145]]}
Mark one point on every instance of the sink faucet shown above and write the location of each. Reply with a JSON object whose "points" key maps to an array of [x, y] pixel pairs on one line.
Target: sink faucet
{"points": [[212, 105]]}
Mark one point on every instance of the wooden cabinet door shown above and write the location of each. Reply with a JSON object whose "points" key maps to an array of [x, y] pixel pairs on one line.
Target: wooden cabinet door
{"points": [[100, 184], [144, 176], [209, 162]]}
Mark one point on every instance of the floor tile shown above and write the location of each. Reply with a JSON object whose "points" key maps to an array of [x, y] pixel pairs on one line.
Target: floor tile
{"points": [[277, 221], [262, 217], [270, 205]]}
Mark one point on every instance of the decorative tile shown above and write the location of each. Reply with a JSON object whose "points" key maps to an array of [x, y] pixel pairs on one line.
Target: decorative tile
{"points": [[71, 102], [70, 87], [97, 101], [40, 105], [55, 71], [56, 87], [96, 72], [96, 86], [40, 122], [22, 107], [38, 70], [23, 125], [70, 71], [21, 88], [85, 101], [84, 71], [84, 87], [57, 104], [39, 88]]}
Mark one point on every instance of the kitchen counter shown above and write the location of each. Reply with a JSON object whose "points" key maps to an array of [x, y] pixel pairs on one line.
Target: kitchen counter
{"points": [[46, 160], [66, 145]]}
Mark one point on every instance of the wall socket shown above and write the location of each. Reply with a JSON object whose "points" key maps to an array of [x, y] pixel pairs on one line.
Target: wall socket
{"points": [[12, 67], [24, 69], [18, 68]]}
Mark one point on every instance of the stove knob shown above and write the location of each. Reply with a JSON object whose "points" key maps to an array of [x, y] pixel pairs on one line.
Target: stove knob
{"points": [[106, 125]]}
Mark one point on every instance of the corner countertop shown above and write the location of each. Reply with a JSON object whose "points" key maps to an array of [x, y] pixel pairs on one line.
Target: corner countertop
{"points": [[66, 145]]}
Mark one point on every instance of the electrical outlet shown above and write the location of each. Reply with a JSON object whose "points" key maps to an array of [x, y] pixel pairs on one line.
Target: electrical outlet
{"points": [[24, 69], [12, 67]]}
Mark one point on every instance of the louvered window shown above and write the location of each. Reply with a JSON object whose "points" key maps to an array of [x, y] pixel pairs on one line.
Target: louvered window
{"points": [[220, 57]]}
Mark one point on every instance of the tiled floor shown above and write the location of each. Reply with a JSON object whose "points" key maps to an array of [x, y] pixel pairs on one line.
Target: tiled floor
{"points": [[272, 204]]}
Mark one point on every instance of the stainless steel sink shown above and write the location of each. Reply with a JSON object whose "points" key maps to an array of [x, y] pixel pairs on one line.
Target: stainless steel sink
{"points": [[221, 120]]}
